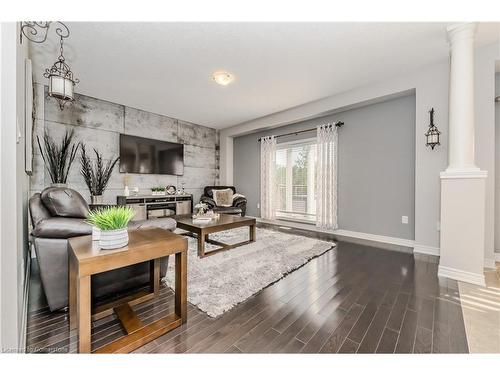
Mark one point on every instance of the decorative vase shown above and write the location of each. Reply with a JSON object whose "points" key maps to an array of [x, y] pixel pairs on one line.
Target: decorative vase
{"points": [[126, 191], [58, 184], [96, 199], [113, 239], [96, 234]]}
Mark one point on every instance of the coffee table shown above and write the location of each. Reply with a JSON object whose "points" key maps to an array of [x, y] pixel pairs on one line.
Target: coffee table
{"points": [[86, 259], [225, 222]]}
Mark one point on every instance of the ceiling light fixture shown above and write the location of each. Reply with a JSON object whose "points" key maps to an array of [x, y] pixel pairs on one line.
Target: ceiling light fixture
{"points": [[223, 78], [60, 76]]}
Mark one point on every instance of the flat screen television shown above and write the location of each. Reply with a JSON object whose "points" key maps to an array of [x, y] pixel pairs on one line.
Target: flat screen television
{"points": [[150, 156]]}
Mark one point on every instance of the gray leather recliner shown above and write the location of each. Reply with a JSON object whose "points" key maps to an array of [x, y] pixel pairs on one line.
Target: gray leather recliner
{"points": [[238, 207], [58, 214]]}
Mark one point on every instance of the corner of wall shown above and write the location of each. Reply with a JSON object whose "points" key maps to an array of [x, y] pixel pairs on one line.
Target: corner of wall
{"points": [[425, 249], [226, 159]]}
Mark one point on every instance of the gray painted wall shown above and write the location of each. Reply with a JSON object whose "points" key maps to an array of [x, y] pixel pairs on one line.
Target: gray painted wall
{"points": [[98, 124], [376, 182], [497, 165]]}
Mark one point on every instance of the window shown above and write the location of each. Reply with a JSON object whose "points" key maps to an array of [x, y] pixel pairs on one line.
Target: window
{"points": [[296, 175]]}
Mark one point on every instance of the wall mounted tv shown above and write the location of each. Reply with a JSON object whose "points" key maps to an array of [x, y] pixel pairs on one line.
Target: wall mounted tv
{"points": [[150, 156]]}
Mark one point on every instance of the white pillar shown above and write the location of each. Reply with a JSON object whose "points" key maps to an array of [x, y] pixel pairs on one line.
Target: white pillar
{"points": [[462, 184], [461, 98]]}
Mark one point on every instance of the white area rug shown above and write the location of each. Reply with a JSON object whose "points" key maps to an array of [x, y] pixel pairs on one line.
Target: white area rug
{"points": [[219, 282]]}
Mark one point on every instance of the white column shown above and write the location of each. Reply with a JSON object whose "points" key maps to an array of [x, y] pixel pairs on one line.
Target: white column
{"points": [[462, 184], [461, 98]]}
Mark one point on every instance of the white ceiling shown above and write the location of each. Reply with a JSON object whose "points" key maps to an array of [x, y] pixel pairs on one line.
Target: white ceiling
{"points": [[166, 67]]}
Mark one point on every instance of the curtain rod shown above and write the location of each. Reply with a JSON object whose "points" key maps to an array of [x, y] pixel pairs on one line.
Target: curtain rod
{"points": [[338, 124]]}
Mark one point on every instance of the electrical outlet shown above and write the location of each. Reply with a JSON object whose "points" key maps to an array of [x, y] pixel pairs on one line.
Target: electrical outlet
{"points": [[404, 219], [258, 205]]}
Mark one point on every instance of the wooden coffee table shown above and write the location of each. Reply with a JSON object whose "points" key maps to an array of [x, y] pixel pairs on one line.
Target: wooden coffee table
{"points": [[225, 222], [86, 259]]}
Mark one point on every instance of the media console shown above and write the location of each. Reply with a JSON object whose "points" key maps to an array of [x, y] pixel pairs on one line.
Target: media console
{"points": [[154, 206]]}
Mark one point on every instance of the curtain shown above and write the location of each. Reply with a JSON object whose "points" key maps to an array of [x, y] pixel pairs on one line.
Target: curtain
{"points": [[326, 177], [268, 187]]}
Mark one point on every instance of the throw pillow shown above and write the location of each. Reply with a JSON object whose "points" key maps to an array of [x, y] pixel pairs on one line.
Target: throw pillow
{"points": [[64, 202], [223, 198]]}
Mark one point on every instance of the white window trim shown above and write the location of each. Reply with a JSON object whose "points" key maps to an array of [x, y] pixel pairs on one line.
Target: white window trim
{"points": [[305, 142], [285, 145]]}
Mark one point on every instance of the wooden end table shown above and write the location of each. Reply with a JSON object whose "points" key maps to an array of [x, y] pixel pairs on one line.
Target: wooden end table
{"points": [[225, 222], [86, 259]]}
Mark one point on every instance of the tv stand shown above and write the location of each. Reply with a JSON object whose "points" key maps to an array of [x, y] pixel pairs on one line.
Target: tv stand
{"points": [[155, 206]]}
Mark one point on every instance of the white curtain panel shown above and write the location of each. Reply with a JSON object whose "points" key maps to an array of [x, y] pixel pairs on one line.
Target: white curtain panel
{"points": [[268, 187], [326, 177]]}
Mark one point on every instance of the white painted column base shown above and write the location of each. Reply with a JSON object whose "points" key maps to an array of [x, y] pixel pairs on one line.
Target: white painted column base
{"points": [[489, 263], [461, 275], [462, 226]]}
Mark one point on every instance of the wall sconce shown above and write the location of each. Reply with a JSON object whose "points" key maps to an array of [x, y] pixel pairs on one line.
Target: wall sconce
{"points": [[432, 134]]}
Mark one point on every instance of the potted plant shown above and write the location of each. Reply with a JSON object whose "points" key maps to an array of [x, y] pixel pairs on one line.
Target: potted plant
{"points": [[96, 175], [160, 190], [202, 208], [58, 158], [112, 223]]}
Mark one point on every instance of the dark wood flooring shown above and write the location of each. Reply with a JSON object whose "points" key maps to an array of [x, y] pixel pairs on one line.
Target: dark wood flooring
{"points": [[352, 299]]}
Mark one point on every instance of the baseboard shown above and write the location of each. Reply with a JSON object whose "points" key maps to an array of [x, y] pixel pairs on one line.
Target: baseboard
{"points": [[24, 322], [375, 238], [425, 249], [402, 242], [468, 277]]}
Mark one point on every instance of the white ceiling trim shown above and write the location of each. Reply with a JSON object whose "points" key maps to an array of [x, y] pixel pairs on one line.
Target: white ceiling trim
{"points": [[166, 68]]}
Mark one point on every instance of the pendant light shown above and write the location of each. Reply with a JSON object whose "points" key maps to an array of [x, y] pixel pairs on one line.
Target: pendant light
{"points": [[60, 76]]}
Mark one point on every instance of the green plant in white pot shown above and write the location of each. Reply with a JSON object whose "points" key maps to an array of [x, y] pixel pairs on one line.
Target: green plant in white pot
{"points": [[112, 223]]}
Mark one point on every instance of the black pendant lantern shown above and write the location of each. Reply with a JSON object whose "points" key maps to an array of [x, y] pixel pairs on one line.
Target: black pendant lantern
{"points": [[60, 76], [61, 81], [432, 134]]}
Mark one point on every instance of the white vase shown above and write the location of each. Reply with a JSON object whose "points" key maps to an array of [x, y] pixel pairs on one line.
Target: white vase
{"points": [[126, 191], [96, 234], [113, 239]]}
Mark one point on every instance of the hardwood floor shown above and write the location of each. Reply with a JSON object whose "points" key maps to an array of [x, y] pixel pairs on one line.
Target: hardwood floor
{"points": [[352, 299]]}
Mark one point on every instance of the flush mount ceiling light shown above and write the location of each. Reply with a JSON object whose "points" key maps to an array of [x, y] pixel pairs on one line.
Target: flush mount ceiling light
{"points": [[60, 76], [223, 78]]}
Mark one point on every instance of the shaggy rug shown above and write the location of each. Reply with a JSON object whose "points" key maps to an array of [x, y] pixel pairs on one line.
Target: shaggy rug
{"points": [[219, 282]]}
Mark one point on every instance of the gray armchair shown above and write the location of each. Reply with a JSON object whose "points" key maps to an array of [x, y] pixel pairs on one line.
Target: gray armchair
{"points": [[238, 207], [58, 214]]}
